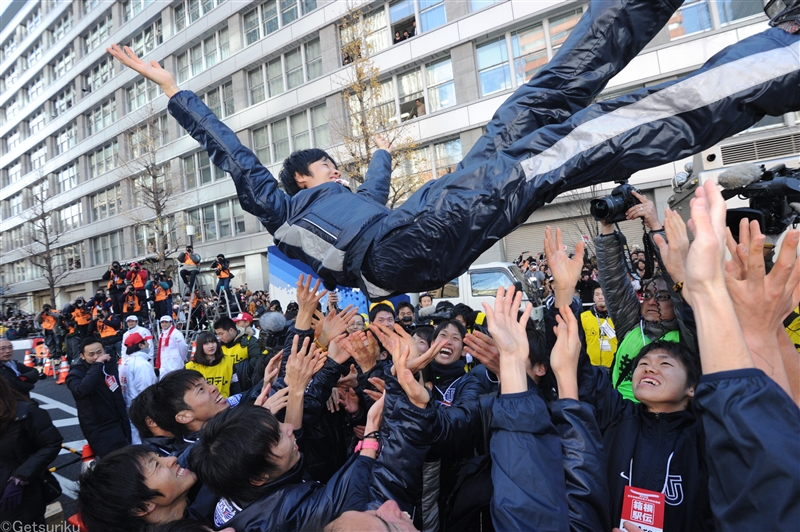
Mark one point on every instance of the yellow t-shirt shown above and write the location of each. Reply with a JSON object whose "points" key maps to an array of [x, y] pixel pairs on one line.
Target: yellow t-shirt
{"points": [[220, 375]]}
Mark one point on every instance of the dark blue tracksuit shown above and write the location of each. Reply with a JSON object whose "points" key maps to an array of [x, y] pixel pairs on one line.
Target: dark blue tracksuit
{"points": [[541, 142]]}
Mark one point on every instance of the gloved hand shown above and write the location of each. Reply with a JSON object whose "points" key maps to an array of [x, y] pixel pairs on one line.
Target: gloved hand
{"points": [[12, 495]]}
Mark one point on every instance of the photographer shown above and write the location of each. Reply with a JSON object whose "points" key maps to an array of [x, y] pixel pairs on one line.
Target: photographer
{"points": [[190, 268], [137, 276], [132, 304], [222, 268], [49, 320], [662, 315], [116, 284], [108, 330], [159, 288]]}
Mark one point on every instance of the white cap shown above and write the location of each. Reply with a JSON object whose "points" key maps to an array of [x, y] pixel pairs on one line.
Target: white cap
{"points": [[132, 317], [166, 318]]}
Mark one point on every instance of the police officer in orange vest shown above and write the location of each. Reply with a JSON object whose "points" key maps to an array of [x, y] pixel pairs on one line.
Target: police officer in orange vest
{"points": [[190, 267], [49, 320], [116, 284]]}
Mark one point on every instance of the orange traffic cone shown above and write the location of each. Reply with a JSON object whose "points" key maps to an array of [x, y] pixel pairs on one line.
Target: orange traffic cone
{"points": [[28, 363], [194, 350], [87, 459], [48, 368], [63, 371]]}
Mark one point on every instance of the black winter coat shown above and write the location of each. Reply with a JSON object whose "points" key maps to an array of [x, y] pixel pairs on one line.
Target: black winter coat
{"points": [[101, 412], [664, 453], [27, 447], [25, 382]]}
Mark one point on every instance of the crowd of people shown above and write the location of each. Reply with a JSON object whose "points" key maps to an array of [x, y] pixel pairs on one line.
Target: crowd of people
{"points": [[660, 391]]}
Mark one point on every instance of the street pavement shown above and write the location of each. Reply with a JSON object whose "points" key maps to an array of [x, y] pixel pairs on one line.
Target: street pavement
{"points": [[58, 402]]}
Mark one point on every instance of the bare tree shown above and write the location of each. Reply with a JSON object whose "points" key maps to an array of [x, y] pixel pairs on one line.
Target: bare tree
{"points": [[153, 194], [575, 208], [370, 109], [46, 251]]}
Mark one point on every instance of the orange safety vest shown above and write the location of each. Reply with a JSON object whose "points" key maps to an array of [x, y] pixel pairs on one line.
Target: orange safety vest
{"points": [[105, 330], [48, 322], [131, 304], [70, 330], [223, 273], [115, 280], [189, 261], [160, 293], [138, 283], [82, 317]]}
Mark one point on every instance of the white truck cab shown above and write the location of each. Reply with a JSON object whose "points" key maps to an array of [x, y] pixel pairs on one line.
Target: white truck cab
{"points": [[479, 285]]}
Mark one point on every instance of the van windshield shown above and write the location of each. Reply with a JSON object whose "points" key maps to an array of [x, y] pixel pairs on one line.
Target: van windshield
{"points": [[530, 294]]}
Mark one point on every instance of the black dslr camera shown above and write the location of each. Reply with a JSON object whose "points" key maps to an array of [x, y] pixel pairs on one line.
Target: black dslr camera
{"points": [[613, 207]]}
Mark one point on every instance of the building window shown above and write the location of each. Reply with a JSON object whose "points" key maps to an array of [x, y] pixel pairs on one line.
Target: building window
{"points": [[300, 136], [107, 248], [67, 138], [293, 63], [67, 178], [261, 145], [275, 77], [220, 220], [131, 8], [731, 11], [530, 52], [198, 170], [140, 93], [106, 203], [69, 257], [319, 126], [477, 5], [97, 33], [448, 155], [103, 160], [493, 66], [15, 204], [203, 55], [14, 172], [146, 138], [63, 63], [62, 26], [147, 40], [190, 11], [220, 100], [280, 140], [255, 79], [432, 14], [251, 27], [313, 59], [12, 141], [35, 87], [13, 107], [102, 116], [69, 218], [289, 12], [38, 156], [100, 74], [20, 271], [35, 54], [441, 89], [88, 5], [409, 90], [17, 238], [561, 26], [402, 16], [64, 101]]}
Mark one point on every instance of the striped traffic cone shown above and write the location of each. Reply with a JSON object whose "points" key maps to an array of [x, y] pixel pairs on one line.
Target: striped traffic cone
{"points": [[63, 371], [87, 459], [28, 363], [48, 368]]}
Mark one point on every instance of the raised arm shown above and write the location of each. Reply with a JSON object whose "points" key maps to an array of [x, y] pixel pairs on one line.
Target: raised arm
{"points": [[379, 173], [257, 188]]}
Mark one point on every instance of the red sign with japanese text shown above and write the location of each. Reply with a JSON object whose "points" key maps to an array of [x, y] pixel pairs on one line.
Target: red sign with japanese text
{"points": [[644, 508]]}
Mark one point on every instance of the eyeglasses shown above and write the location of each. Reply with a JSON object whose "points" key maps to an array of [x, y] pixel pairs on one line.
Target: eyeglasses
{"points": [[660, 296]]}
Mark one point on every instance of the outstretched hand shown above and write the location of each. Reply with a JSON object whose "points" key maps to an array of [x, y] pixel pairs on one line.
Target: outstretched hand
{"points": [[676, 247], [151, 70], [565, 354], [415, 391], [511, 338], [566, 271]]}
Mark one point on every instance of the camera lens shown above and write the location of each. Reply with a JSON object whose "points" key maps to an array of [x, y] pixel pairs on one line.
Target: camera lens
{"points": [[611, 208]]}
